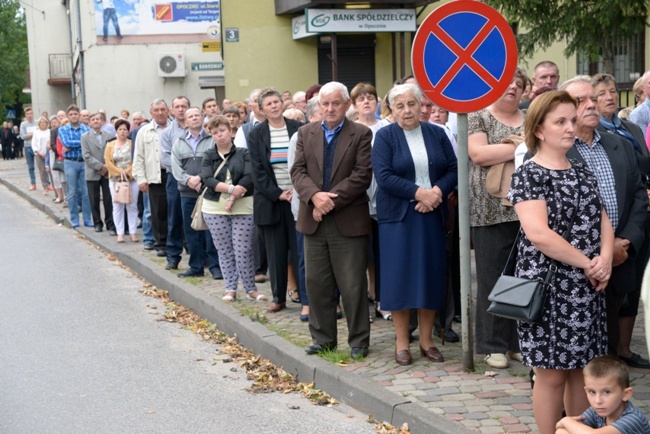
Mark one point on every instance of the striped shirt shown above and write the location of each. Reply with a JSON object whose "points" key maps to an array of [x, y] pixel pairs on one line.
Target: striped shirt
{"points": [[71, 139], [279, 156], [631, 421], [597, 160]]}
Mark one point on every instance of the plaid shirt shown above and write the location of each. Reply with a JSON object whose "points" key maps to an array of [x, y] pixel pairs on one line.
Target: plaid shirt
{"points": [[71, 139], [598, 162]]}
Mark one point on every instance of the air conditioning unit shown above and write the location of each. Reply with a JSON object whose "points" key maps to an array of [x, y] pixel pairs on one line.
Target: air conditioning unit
{"points": [[171, 65]]}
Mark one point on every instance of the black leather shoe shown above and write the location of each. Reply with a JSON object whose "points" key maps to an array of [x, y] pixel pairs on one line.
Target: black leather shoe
{"points": [[161, 253], [114, 233], [318, 348], [216, 274], [171, 266], [636, 361], [98, 229], [450, 335], [357, 353], [190, 273]]}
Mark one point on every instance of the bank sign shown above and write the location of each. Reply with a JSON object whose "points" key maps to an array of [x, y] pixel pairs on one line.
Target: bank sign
{"points": [[366, 20]]}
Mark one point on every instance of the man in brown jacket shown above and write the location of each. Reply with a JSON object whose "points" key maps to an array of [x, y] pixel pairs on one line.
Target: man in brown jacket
{"points": [[331, 174]]}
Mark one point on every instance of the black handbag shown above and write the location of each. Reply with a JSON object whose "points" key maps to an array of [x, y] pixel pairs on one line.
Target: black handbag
{"points": [[57, 165], [520, 298]]}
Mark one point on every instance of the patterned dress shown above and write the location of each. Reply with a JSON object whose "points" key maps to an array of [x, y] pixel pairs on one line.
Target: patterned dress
{"points": [[573, 329]]}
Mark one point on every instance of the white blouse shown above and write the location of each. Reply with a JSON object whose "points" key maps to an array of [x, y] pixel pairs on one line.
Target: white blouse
{"points": [[415, 141], [39, 140]]}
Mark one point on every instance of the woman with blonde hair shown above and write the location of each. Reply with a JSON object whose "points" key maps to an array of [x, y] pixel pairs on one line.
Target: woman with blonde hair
{"points": [[39, 146], [228, 209]]}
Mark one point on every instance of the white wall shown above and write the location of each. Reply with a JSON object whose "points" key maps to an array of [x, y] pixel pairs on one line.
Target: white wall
{"points": [[47, 34], [117, 76]]}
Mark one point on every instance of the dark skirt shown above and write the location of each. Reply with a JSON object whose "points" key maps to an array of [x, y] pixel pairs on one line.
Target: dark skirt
{"points": [[412, 254]]}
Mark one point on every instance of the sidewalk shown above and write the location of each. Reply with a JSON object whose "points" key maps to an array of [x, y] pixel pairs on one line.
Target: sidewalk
{"points": [[438, 398]]}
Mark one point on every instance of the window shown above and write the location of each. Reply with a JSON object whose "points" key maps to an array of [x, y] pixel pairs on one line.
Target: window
{"points": [[628, 61]]}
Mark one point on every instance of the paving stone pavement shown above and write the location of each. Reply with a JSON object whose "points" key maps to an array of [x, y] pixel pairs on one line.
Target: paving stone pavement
{"points": [[479, 402]]}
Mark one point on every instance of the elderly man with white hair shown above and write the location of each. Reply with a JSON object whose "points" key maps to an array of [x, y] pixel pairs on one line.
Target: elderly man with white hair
{"points": [[299, 101], [331, 174]]}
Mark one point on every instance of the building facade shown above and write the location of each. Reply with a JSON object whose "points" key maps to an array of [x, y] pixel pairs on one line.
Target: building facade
{"points": [[225, 48]]}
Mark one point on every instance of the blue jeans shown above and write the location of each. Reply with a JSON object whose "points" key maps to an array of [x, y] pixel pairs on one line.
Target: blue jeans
{"points": [[75, 176], [147, 231], [199, 243], [174, 221], [29, 156], [111, 15]]}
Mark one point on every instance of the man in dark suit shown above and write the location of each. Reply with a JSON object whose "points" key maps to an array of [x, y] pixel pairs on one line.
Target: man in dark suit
{"points": [[614, 162], [7, 142], [607, 100], [93, 144], [331, 174], [268, 144]]}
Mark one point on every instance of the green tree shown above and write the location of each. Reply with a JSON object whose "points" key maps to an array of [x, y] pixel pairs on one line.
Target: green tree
{"points": [[592, 27], [14, 58]]}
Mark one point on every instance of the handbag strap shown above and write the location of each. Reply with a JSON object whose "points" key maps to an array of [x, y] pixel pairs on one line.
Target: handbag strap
{"points": [[216, 172], [512, 257]]}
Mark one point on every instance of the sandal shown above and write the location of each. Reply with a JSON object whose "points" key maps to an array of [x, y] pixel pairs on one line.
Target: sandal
{"points": [[230, 296], [134, 238], [385, 314], [120, 239], [297, 299], [258, 297]]}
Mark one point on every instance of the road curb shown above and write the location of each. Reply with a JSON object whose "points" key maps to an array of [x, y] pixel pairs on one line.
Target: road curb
{"points": [[347, 387]]}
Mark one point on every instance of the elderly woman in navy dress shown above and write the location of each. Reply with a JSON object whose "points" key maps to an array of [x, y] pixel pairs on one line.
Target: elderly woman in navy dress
{"points": [[415, 168]]}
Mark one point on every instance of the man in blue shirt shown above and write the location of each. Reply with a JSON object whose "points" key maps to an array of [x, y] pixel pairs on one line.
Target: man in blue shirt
{"points": [[75, 175]]}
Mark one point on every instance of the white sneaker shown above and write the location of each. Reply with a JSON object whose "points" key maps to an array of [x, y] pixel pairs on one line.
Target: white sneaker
{"points": [[496, 360], [515, 356]]}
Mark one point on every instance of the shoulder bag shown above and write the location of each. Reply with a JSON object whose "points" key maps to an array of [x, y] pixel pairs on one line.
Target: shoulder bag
{"points": [[520, 298], [122, 190], [198, 222]]}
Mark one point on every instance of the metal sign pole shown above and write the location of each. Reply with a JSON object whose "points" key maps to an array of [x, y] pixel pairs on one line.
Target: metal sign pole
{"points": [[464, 77], [464, 247]]}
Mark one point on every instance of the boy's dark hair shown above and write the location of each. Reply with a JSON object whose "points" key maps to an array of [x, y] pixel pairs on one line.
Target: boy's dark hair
{"points": [[606, 366]]}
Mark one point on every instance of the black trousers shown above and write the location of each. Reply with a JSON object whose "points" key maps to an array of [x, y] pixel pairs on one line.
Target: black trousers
{"points": [[100, 191], [158, 203], [280, 240]]}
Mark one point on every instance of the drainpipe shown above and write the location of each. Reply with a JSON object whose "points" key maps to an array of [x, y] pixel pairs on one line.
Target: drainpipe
{"points": [[82, 82], [67, 10]]}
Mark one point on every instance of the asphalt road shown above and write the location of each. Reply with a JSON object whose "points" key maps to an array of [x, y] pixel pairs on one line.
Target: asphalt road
{"points": [[81, 350]]}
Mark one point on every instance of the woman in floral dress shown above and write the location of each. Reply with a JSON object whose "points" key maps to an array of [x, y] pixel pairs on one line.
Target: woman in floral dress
{"points": [[552, 195]]}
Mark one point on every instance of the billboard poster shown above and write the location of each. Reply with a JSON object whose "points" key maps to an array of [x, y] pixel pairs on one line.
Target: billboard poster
{"points": [[151, 21]]}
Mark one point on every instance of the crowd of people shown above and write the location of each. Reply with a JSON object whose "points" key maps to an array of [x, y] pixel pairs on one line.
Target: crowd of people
{"points": [[343, 196]]}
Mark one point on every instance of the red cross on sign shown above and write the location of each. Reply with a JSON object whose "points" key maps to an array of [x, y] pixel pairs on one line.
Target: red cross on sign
{"points": [[464, 56]]}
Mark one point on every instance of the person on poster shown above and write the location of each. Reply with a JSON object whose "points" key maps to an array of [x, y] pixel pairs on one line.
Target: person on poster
{"points": [[110, 15]]}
